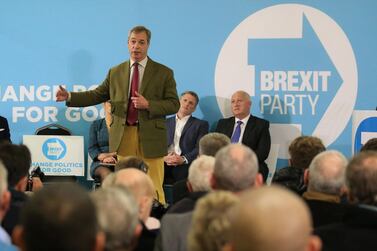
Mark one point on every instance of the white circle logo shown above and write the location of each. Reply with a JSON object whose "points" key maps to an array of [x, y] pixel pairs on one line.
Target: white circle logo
{"points": [[297, 62]]}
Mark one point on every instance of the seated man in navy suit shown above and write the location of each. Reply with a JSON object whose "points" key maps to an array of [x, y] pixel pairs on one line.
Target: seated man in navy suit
{"points": [[184, 133], [247, 129]]}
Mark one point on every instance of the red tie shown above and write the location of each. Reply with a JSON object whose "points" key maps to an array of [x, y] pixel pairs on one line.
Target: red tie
{"points": [[132, 111]]}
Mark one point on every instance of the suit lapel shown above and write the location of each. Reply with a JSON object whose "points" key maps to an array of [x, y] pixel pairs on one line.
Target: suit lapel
{"points": [[171, 130], [249, 128], [148, 74], [126, 81], [187, 126], [230, 127]]}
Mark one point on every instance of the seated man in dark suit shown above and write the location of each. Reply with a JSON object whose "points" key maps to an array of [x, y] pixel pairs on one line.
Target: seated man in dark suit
{"points": [[4, 130], [358, 230], [247, 129], [325, 179], [184, 133]]}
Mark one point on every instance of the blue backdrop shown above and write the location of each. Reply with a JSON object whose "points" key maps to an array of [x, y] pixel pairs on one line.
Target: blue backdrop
{"points": [[306, 64]]}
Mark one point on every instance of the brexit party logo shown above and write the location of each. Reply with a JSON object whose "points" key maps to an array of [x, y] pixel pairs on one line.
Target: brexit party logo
{"points": [[54, 149], [298, 66]]}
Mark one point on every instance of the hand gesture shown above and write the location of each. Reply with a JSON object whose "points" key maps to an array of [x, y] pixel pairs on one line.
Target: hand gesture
{"points": [[62, 94], [139, 101]]}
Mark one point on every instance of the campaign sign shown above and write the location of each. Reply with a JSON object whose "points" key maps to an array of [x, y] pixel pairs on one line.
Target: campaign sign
{"points": [[57, 155], [364, 128]]}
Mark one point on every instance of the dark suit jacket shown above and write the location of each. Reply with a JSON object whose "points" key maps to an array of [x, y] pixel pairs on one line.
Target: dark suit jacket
{"points": [[325, 213], [256, 136], [4, 130], [193, 131], [357, 232], [158, 87]]}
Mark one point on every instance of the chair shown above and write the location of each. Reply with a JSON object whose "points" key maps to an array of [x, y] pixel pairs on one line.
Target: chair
{"points": [[55, 129]]}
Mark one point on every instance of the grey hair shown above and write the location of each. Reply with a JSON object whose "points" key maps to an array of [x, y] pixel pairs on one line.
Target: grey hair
{"points": [[236, 168], [212, 142], [200, 173], [117, 214], [327, 172]]}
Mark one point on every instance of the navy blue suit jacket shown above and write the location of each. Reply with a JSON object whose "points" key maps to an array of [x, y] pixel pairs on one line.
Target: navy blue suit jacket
{"points": [[193, 131], [256, 136]]}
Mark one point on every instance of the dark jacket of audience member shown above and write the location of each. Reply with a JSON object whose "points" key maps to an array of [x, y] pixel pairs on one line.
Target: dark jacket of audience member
{"points": [[301, 150], [358, 230], [17, 161]]}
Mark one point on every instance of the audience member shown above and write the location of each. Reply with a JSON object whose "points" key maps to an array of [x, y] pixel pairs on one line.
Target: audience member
{"points": [[198, 184], [5, 241], [358, 229], [141, 186], [247, 129], [326, 184], [270, 219], [184, 133], [370, 145], [132, 161], [236, 169], [212, 142], [301, 150], [60, 218], [99, 145], [210, 222], [17, 161], [117, 214], [209, 145]]}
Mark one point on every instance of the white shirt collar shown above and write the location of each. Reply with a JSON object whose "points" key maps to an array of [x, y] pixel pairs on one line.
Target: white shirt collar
{"points": [[143, 62], [244, 120]]}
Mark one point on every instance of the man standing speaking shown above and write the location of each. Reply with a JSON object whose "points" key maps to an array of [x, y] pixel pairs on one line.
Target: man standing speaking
{"points": [[142, 92]]}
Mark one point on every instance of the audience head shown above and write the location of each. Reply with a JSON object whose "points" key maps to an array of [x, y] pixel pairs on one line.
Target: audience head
{"points": [[303, 149], [210, 221], [17, 161], [212, 142], [200, 173], [269, 219], [61, 218], [141, 186], [117, 215], [326, 173], [131, 162], [240, 104], [361, 176], [236, 169], [4, 193], [370, 145]]}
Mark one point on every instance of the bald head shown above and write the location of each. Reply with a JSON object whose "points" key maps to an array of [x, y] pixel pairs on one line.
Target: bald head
{"points": [[136, 181], [272, 218], [240, 104], [236, 169], [141, 186], [327, 173]]}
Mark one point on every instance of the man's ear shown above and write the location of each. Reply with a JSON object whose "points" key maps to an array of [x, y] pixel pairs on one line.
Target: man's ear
{"points": [[4, 203], [314, 243], [100, 242], [306, 176], [189, 186], [212, 181], [258, 182], [21, 184], [18, 237]]}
